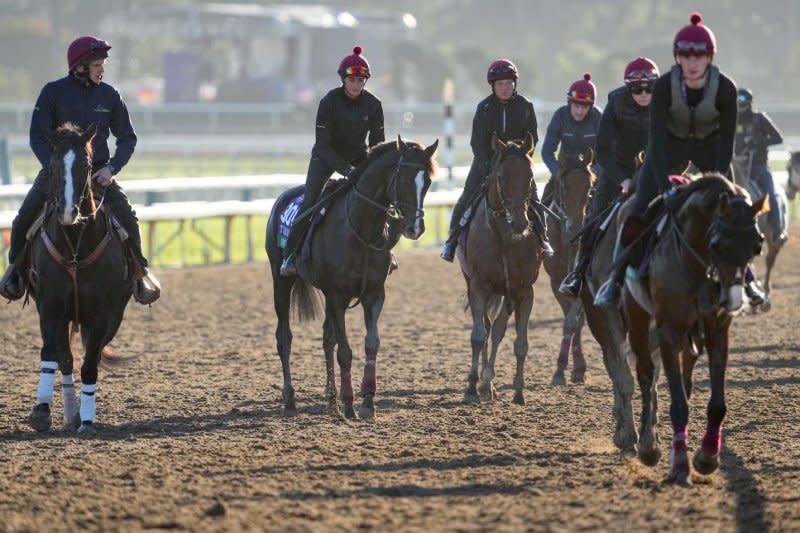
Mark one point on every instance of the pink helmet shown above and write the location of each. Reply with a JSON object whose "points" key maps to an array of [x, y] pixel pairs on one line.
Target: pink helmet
{"points": [[84, 48], [641, 70], [502, 69], [582, 91], [695, 39], [354, 65]]}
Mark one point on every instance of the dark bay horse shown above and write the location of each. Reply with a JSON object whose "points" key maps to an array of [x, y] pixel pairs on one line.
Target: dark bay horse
{"points": [[350, 256], [693, 290], [742, 169], [78, 273], [500, 262], [571, 188]]}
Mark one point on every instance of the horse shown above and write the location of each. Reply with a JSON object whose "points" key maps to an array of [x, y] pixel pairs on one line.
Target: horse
{"points": [[571, 188], [741, 171], [692, 291], [79, 273], [350, 259], [500, 260], [793, 172]]}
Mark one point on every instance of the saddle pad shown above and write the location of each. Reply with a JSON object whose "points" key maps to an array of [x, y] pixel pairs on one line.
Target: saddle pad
{"points": [[287, 219]]}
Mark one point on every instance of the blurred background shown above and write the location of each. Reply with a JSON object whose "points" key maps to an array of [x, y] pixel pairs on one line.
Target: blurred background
{"points": [[232, 87]]}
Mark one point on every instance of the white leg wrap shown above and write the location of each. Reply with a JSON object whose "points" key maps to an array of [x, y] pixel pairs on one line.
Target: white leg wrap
{"points": [[47, 376], [87, 402], [69, 397]]}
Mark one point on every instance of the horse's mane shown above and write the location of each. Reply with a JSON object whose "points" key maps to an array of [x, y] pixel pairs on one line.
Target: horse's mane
{"points": [[712, 186], [381, 149]]}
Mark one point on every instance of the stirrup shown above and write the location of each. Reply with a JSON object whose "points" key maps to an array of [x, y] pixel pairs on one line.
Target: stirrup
{"points": [[448, 252], [288, 268], [755, 294], [547, 250], [147, 289], [608, 295], [393, 264], [11, 287], [571, 284]]}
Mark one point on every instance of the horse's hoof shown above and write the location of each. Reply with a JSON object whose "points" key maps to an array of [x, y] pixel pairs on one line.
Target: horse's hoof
{"points": [[578, 377], [367, 410], [471, 398], [87, 431], [624, 442], [519, 399], [680, 478], [488, 392], [558, 379], [289, 410], [704, 463], [350, 412], [649, 457], [72, 422], [766, 306], [40, 419]]}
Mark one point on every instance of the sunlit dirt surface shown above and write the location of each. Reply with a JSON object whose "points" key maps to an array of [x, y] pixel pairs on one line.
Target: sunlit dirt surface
{"points": [[191, 437]]}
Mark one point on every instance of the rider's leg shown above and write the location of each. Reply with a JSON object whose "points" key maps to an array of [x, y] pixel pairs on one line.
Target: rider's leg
{"points": [[539, 219], [318, 173], [603, 195], [477, 173], [11, 285], [752, 287], [147, 288]]}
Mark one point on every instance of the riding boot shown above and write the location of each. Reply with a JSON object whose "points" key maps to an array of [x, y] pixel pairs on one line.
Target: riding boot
{"points": [[537, 216], [753, 289], [11, 286], [393, 264], [146, 288], [609, 293], [572, 282], [458, 219]]}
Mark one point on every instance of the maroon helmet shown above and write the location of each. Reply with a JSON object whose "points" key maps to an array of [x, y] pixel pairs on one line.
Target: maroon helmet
{"points": [[695, 39], [641, 70], [501, 69], [83, 48], [582, 91], [354, 65]]}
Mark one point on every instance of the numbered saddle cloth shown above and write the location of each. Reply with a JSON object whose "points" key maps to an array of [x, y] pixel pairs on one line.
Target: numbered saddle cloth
{"points": [[287, 219]]}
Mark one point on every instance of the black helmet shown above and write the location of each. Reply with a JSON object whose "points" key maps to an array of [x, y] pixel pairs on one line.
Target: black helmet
{"points": [[744, 97]]}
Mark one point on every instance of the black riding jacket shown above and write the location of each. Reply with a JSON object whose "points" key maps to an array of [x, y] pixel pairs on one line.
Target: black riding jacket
{"points": [[754, 133], [510, 120], [343, 125], [69, 100], [622, 135]]}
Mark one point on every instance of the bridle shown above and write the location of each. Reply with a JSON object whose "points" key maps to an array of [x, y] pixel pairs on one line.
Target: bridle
{"points": [[507, 205]]}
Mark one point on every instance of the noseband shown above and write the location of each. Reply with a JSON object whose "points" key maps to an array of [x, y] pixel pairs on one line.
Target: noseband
{"points": [[507, 205]]}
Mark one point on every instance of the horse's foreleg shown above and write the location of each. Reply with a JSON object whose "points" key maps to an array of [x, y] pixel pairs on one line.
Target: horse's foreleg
{"points": [[772, 255], [706, 459], [578, 361], [55, 344], [567, 336], [673, 343], [478, 297], [336, 306], [638, 335], [522, 314], [283, 336], [372, 305], [72, 418], [487, 390], [95, 341], [328, 344]]}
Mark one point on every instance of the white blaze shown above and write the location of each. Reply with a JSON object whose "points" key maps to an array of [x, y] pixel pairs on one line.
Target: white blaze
{"points": [[69, 192], [420, 183]]}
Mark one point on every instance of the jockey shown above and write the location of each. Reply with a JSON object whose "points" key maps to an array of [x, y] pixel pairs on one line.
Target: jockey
{"points": [[83, 99], [510, 116], [572, 129], [692, 118], [346, 115], [622, 136], [754, 133]]}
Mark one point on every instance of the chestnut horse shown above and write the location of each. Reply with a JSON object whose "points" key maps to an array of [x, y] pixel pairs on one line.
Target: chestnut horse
{"points": [[571, 188], [692, 291], [500, 262]]}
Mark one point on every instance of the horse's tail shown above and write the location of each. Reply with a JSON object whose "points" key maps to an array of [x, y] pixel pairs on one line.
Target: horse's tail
{"points": [[305, 300]]}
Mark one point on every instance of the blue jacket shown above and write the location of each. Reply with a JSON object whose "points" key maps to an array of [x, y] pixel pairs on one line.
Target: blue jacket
{"points": [[573, 136], [68, 100]]}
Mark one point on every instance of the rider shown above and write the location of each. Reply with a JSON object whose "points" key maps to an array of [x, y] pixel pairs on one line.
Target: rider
{"points": [[572, 129], [754, 133], [510, 116], [692, 118], [622, 136], [344, 118], [83, 99]]}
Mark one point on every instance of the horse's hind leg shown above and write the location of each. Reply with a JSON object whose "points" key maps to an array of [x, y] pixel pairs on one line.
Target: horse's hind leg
{"points": [[477, 302], [328, 344], [72, 418], [521, 317], [578, 360], [487, 390], [283, 335], [95, 341], [706, 459], [55, 344], [335, 307], [373, 305]]}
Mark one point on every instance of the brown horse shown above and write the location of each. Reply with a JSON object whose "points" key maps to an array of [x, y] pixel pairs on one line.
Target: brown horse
{"points": [[742, 174], [692, 291], [571, 188], [500, 262]]}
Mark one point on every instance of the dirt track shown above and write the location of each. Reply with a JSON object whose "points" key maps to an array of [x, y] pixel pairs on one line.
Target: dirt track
{"points": [[191, 436]]}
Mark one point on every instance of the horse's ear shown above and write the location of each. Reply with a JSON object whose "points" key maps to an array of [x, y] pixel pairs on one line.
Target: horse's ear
{"points": [[431, 150], [588, 156], [761, 206], [89, 134], [400, 142], [497, 144], [527, 146], [640, 158], [52, 137]]}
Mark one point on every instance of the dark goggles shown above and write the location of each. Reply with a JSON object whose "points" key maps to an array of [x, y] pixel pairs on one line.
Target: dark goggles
{"points": [[692, 48], [503, 69], [99, 43], [743, 99], [641, 88]]}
